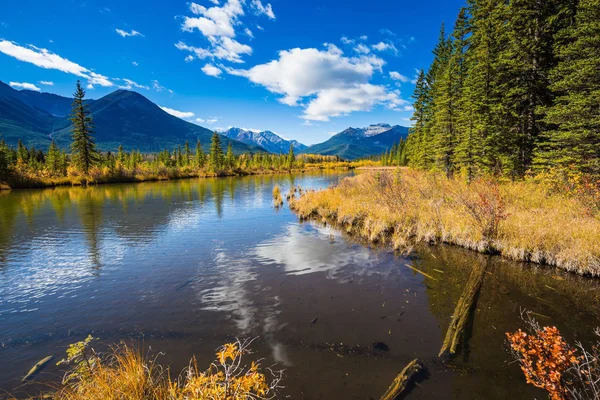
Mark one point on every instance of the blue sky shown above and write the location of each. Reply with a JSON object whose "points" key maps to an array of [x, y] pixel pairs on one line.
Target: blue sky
{"points": [[303, 69]]}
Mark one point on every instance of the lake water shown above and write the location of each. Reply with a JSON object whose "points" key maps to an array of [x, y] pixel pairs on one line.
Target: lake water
{"points": [[182, 267]]}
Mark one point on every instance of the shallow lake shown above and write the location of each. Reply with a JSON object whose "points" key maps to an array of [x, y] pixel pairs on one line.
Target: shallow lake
{"points": [[182, 267]]}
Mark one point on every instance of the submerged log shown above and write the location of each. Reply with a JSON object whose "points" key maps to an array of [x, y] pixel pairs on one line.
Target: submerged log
{"points": [[462, 312], [37, 367], [401, 382]]}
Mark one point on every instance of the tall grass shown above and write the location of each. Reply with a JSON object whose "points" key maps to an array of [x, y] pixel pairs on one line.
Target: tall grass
{"points": [[522, 221], [127, 374]]}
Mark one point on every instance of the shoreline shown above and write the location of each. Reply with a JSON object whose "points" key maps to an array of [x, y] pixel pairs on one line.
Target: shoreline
{"points": [[84, 181], [424, 208]]}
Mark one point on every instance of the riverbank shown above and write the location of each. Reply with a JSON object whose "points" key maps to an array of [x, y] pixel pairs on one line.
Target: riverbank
{"points": [[522, 221], [103, 177]]}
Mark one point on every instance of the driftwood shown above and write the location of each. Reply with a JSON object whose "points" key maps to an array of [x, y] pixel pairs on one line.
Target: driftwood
{"points": [[37, 367], [463, 309], [402, 380]]}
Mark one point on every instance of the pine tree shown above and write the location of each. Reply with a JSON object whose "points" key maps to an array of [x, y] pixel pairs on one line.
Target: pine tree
{"points": [[3, 161], [187, 154], [22, 153], [83, 147], [416, 145], [53, 158], [291, 157], [574, 141], [229, 157], [200, 158], [448, 96], [216, 153]]}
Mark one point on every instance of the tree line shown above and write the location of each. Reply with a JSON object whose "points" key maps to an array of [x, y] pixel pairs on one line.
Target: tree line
{"points": [[513, 89], [85, 159]]}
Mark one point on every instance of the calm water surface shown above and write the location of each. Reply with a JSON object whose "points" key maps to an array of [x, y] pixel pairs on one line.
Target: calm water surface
{"points": [[185, 266]]}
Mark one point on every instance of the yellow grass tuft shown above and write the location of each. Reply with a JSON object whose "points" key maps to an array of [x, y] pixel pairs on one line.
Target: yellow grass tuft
{"points": [[522, 221]]}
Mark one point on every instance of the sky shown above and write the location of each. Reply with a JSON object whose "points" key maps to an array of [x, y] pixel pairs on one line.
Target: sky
{"points": [[302, 69]]}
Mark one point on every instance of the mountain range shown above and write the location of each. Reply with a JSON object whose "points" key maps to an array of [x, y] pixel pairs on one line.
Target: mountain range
{"points": [[127, 118], [265, 139], [120, 118], [354, 143]]}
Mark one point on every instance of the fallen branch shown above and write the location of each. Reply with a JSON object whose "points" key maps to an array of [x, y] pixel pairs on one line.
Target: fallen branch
{"points": [[36, 368], [400, 384], [420, 272], [463, 309]]}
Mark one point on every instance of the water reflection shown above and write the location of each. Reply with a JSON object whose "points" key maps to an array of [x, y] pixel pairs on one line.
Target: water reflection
{"points": [[188, 265]]}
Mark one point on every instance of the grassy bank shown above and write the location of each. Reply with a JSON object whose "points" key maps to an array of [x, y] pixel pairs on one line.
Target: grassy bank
{"points": [[525, 221], [103, 176]]}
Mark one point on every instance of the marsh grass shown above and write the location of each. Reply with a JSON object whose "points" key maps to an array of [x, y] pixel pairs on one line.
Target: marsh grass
{"points": [[524, 221], [126, 373]]}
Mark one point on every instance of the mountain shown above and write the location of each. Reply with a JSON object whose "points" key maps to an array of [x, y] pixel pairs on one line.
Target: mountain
{"points": [[265, 139], [355, 143], [121, 118]]}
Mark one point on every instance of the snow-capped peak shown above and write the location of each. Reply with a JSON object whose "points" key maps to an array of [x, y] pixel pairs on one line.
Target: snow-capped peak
{"points": [[376, 129]]}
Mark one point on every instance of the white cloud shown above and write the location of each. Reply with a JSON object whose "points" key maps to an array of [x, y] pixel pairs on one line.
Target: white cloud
{"points": [[129, 84], [189, 58], [364, 37], [178, 114], [211, 70], [362, 49], [215, 2], [218, 25], [210, 120], [47, 83], [25, 85], [325, 82], [346, 40], [43, 58], [399, 77], [408, 108], [158, 87], [383, 46], [260, 28], [134, 63], [386, 31], [262, 10], [123, 33]]}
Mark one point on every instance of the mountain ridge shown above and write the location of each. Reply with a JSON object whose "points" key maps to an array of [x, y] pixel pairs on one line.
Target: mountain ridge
{"points": [[268, 140]]}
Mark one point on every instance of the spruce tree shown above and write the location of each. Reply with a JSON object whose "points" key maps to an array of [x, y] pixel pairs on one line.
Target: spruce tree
{"points": [[229, 157], [53, 158], [187, 154], [83, 148], [574, 140], [199, 156], [416, 145], [3, 161], [216, 153]]}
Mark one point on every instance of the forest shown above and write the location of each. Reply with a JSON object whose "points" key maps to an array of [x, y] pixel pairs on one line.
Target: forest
{"points": [[513, 91]]}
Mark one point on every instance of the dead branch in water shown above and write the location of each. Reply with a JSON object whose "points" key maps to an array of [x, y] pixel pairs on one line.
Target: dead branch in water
{"points": [[402, 380], [463, 309]]}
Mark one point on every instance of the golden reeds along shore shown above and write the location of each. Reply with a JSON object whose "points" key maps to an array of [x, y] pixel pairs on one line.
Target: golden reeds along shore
{"points": [[525, 220]]}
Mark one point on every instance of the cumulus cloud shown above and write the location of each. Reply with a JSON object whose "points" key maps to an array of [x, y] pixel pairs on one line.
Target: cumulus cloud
{"points": [[123, 33], [211, 70], [47, 83], [43, 58], [178, 114], [362, 49], [399, 77], [325, 82], [218, 24], [383, 46], [25, 85]]}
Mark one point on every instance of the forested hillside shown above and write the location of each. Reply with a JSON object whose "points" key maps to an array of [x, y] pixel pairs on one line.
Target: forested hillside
{"points": [[515, 87]]}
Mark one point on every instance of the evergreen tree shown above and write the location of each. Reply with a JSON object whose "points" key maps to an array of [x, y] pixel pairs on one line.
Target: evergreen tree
{"points": [[22, 153], [200, 158], [229, 157], [421, 105], [216, 153], [3, 161], [187, 154], [53, 159], [291, 157], [574, 140], [83, 147]]}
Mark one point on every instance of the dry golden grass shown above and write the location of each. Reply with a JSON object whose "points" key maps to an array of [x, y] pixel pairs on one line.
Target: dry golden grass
{"points": [[523, 221], [126, 374]]}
